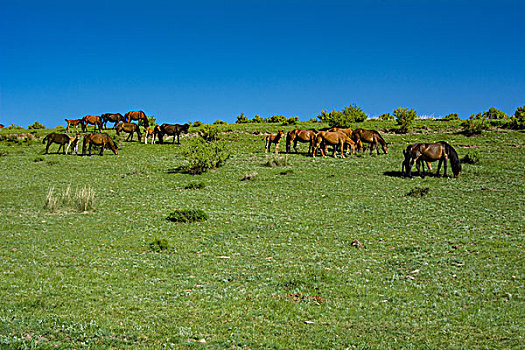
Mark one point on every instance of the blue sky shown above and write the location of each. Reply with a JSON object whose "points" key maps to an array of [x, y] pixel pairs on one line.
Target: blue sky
{"points": [[207, 60]]}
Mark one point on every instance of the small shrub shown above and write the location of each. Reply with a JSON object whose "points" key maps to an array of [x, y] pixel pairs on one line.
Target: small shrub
{"points": [[450, 117], [343, 118], [276, 160], [195, 186], [472, 127], [36, 125], [202, 156], [242, 119], [188, 215], [209, 133], [290, 121], [472, 157], [219, 122], [405, 117], [158, 245], [197, 124], [418, 192]]}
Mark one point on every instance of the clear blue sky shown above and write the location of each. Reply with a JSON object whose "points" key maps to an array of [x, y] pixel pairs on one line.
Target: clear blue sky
{"points": [[207, 60]]}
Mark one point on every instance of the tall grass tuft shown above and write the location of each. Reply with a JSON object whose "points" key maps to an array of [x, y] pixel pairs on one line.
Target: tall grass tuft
{"points": [[81, 200], [84, 199], [51, 200]]}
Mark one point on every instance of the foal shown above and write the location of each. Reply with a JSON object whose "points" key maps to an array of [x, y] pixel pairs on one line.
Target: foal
{"points": [[273, 138]]}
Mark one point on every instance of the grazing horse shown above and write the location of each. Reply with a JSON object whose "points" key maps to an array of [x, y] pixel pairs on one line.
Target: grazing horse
{"points": [[430, 152], [369, 136], [93, 120], [73, 122], [404, 165], [149, 132], [273, 138], [336, 139], [348, 132], [129, 128], [62, 140], [113, 118], [99, 139], [172, 129], [300, 135], [140, 116], [1, 126]]}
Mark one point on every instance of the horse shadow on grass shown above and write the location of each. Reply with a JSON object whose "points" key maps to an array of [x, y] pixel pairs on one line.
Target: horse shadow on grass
{"points": [[402, 175]]}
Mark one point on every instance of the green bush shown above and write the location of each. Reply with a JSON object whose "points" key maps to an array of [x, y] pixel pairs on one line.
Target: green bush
{"points": [[158, 245], [203, 156], [290, 121], [473, 127], [195, 186], [197, 124], [188, 215], [472, 157], [219, 122], [344, 118], [405, 117], [450, 117], [36, 125], [209, 133], [241, 119]]}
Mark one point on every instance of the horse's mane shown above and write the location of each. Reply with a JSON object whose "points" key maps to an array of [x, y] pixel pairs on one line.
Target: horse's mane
{"points": [[453, 156]]}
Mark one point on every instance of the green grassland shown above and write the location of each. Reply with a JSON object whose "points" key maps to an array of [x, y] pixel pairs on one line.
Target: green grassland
{"points": [[274, 266]]}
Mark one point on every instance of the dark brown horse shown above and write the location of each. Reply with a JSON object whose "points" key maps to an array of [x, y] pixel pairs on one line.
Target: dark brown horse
{"points": [[99, 139], [336, 139], [172, 129], [140, 116], [93, 120], [61, 140], [300, 135], [430, 152], [369, 136], [273, 138], [113, 118], [73, 122], [129, 128], [409, 148]]}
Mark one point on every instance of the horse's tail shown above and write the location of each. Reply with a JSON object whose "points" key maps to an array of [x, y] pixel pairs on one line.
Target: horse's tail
{"points": [[454, 159]]}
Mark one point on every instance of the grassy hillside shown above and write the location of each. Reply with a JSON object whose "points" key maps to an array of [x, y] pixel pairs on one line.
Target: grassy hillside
{"points": [[277, 264]]}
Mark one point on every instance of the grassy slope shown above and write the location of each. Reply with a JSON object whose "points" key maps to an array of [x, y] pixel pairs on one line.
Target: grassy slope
{"points": [[445, 270]]}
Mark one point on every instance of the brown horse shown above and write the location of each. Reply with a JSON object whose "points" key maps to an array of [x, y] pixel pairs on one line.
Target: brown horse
{"points": [[93, 120], [273, 138], [337, 139], [172, 129], [300, 135], [348, 132], [369, 136], [73, 122], [409, 148], [149, 132], [129, 128], [61, 140], [113, 118], [99, 139], [140, 116], [430, 152]]}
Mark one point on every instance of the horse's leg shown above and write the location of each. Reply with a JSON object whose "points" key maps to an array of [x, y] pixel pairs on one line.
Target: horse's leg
{"points": [[277, 147], [377, 146], [295, 145], [418, 167]]}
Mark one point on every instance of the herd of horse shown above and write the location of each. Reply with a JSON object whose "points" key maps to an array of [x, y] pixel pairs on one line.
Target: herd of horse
{"points": [[339, 138], [352, 140], [120, 124]]}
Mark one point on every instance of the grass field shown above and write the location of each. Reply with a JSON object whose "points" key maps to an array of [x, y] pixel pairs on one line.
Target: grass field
{"points": [[274, 266]]}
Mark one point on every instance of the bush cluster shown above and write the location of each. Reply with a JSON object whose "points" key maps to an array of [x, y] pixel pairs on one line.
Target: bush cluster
{"points": [[343, 118], [242, 119], [203, 156], [188, 215], [36, 125], [405, 117]]}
